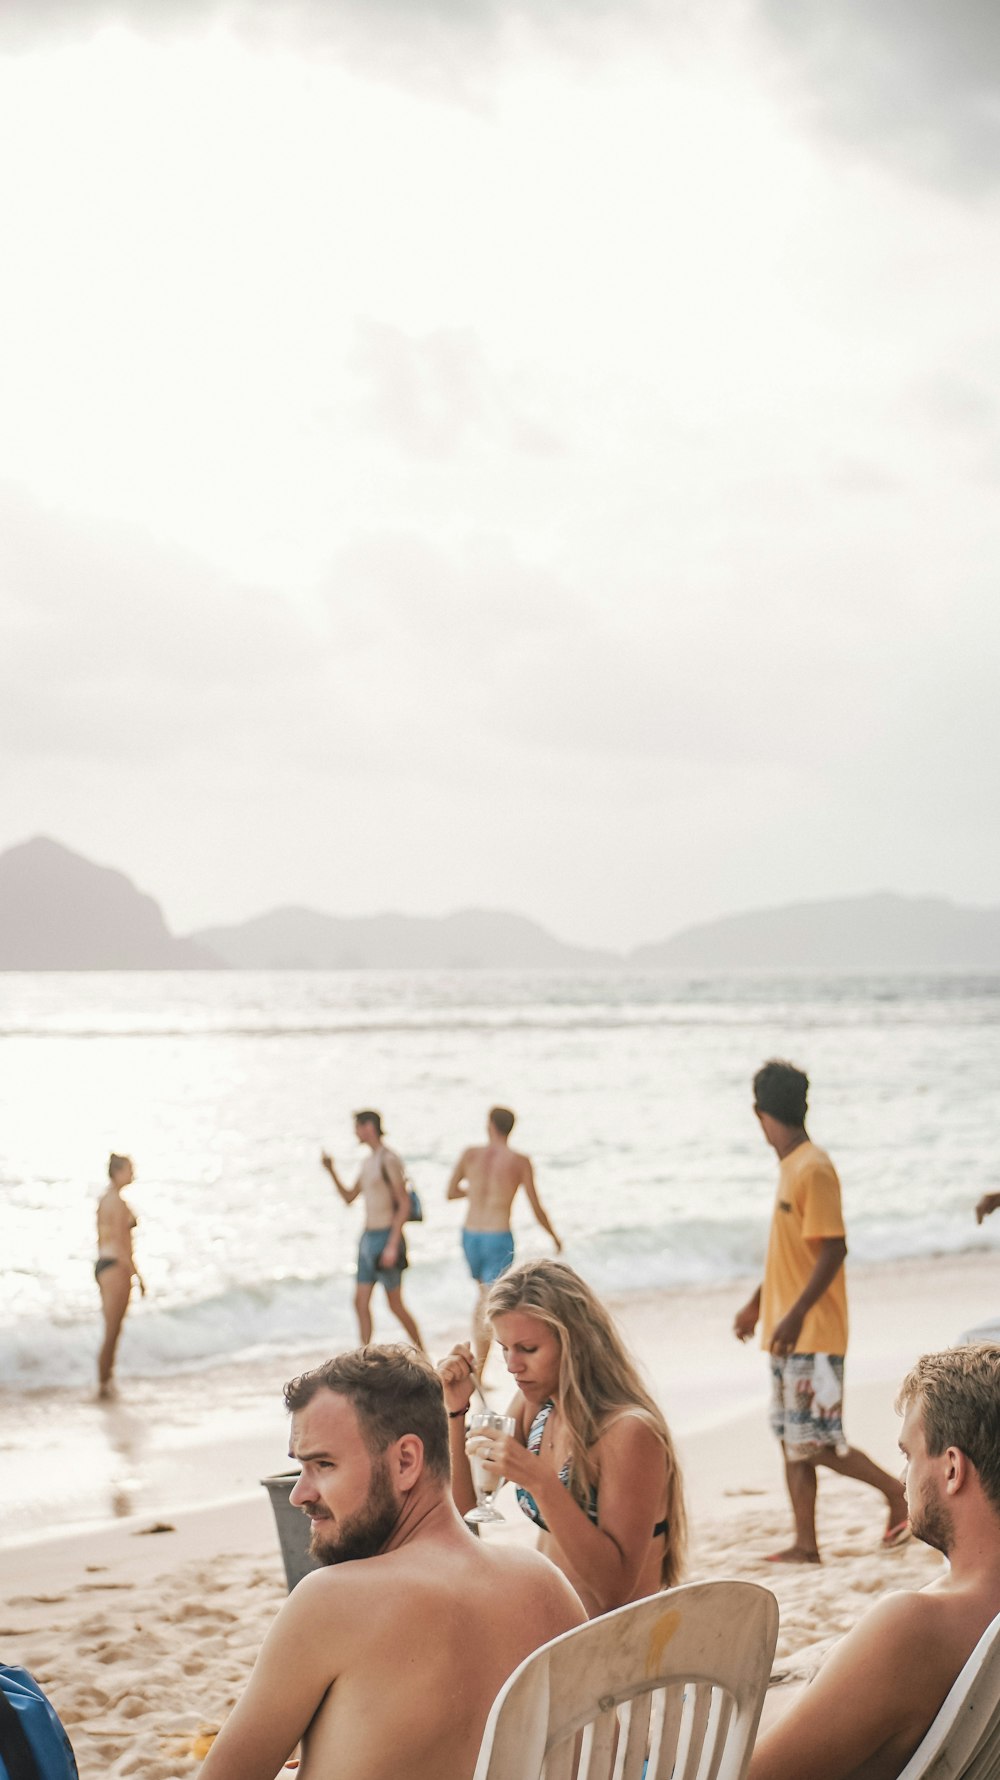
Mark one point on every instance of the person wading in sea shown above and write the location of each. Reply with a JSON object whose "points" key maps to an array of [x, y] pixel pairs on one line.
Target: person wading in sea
{"points": [[115, 1267]]}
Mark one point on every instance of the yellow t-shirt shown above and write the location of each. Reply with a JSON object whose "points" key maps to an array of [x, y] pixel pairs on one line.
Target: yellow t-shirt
{"points": [[807, 1207]]}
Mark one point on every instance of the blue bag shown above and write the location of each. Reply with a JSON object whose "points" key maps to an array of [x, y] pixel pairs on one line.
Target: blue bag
{"points": [[33, 1743]]}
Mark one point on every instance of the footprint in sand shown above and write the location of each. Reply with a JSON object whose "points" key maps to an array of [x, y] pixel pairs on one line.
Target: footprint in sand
{"points": [[135, 1706], [199, 1610], [87, 1698], [115, 1653]]}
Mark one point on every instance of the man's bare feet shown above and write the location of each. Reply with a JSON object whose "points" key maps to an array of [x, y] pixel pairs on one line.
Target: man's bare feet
{"points": [[796, 1554]]}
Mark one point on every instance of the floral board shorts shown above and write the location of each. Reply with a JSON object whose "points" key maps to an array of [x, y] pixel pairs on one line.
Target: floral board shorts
{"points": [[807, 1395]]}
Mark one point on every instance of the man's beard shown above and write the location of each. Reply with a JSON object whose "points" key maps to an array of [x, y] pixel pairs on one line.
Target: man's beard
{"points": [[931, 1522], [364, 1534]]}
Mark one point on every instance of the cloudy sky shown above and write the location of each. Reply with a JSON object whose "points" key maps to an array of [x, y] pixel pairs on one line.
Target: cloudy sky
{"points": [[541, 456]]}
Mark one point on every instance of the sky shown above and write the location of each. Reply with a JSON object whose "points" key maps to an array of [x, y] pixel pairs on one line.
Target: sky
{"points": [[477, 453]]}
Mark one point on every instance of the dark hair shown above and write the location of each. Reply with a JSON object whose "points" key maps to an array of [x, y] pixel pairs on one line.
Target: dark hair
{"points": [[959, 1397], [781, 1090], [394, 1390], [116, 1164], [502, 1120], [367, 1117]]}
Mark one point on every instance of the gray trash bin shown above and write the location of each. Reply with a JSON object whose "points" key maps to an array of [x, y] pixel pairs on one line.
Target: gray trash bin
{"points": [[293, 1526]]}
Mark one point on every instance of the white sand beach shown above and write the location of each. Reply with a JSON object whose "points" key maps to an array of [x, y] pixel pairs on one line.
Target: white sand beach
{"points": [[143, 1630]]}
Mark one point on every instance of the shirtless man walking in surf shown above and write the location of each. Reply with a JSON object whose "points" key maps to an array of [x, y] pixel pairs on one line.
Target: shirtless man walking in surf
{"points": [[382, 1250], [488, 1175]]}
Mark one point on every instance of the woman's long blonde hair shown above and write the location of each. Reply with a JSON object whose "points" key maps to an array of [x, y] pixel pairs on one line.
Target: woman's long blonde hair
{"points": [[598, 1381]]}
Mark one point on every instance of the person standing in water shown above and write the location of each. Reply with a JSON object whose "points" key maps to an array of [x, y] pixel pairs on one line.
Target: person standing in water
{"points": [[488, 1176], [382, 1252], [115, 1267]]}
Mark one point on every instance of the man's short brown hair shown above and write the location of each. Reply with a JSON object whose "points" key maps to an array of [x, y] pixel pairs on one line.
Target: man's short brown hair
{"points": [[367, 1117], [393, 1390], [502, 1120], [958, 1393]]}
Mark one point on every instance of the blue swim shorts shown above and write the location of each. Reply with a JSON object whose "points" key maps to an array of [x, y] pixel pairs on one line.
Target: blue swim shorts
{"points": [[488, 1252], [369, 1272], [807, 1396]]}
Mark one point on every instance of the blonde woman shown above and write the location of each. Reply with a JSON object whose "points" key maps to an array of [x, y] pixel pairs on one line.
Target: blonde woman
{"points": [[115, 1267], [591, 1458]]}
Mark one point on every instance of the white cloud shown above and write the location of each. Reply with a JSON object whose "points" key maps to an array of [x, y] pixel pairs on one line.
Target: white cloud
{"points": [[587, 482]]}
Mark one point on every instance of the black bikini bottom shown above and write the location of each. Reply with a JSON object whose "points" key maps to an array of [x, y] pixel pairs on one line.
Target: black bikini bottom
{"points": [[105, 1261]]}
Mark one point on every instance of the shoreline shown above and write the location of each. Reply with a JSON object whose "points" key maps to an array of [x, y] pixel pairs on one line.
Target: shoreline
{"points": [[170, 1445], [143, 1628]]}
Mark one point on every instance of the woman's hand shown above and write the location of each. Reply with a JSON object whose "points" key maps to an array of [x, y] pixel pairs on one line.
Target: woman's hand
{"points": [[457, 1373], [507, 1457]]}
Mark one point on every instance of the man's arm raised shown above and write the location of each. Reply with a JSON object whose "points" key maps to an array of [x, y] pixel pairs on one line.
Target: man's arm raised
{"points": [[870, 1703], [296, 1665], [348, 1194], [528, 1183]]}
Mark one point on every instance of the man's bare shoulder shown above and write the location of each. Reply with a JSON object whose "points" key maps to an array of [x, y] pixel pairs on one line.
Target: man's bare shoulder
{"points": [[915, 1625], [873, 1698], [462, 1576], [532, 1565], [529, 1578]]}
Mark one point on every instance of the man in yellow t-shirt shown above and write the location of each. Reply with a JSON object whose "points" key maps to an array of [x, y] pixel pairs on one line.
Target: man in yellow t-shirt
{"points": [[802, 1310]]}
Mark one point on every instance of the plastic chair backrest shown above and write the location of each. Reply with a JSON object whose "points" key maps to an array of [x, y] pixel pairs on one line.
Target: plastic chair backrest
{"points": [[963, 1743], [680, 1676]]}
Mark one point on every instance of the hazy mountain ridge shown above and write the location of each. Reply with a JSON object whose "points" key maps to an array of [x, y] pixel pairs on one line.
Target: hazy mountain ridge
{"points": [[59, 911], [298, 938], [882, 932]]}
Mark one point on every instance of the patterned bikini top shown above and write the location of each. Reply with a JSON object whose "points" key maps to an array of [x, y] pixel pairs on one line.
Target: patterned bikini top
{"points": [[534, 1444], [527, 1501]]}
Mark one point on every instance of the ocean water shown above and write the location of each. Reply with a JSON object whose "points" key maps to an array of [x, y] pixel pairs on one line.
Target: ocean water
{"points": [[633, 1095]]}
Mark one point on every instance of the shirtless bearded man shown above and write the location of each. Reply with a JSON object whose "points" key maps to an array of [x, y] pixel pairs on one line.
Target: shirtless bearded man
{"points": [[388, 1659], [488, 1175]]}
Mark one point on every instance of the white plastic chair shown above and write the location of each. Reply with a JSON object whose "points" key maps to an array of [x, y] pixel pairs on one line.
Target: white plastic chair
{"points": [[963, 1743], [682, 1674]]}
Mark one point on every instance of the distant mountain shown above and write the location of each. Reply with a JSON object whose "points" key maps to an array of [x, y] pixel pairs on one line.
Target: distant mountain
{"points": [[60, 912], [884, 932], [302, 939]]}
